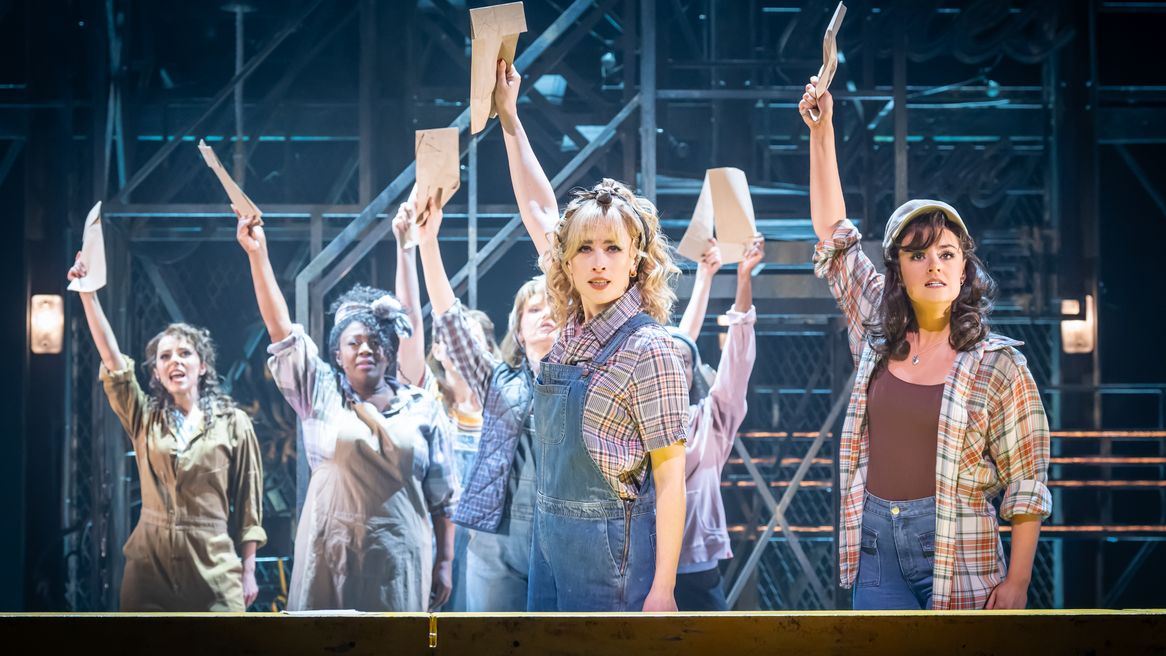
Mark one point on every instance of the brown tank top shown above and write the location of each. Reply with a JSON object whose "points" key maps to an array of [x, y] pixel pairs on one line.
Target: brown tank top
{"points": [[903, 427]]}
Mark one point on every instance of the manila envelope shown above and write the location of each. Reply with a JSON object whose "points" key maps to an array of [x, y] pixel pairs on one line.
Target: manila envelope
{"points": [[829, 56], [494, 35], [438, 167], [724, 209], [238, 198], [92, 254]]}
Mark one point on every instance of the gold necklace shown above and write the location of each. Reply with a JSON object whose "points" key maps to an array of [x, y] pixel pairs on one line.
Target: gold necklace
{"points": [[915, 358]]}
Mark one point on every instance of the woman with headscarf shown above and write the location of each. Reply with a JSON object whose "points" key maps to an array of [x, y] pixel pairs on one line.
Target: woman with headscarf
{"points": [[383, 482]]}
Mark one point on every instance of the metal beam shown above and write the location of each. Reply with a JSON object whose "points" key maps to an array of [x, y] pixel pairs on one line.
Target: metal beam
{"points": [[1135, 168], [397, 187], [648, 97], [779, 508], [222, 95], [502, 241]]}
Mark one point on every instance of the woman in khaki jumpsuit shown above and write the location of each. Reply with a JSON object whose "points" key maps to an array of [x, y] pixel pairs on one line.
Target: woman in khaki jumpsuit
{"points": [[200, 469]]}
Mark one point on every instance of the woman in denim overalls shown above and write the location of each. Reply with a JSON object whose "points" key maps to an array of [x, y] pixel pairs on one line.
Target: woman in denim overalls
{"points": [[611, 400]]}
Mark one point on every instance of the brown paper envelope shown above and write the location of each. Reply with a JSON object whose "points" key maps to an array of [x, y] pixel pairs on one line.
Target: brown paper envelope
{"points": [[92, 254], [238, 198], [438, 167], [700, 230], [494, 35], [732, 212]]}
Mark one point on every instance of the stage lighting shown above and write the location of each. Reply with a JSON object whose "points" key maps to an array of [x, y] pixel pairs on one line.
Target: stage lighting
{"points": [[1077, 334], [46, 319]]}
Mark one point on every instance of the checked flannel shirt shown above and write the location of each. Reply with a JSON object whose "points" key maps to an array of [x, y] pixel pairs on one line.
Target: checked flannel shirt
{"points": [[993, 438]]}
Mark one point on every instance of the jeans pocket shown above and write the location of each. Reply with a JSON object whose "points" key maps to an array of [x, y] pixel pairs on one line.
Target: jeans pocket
{"points": [[869, 569], [927, 545]]}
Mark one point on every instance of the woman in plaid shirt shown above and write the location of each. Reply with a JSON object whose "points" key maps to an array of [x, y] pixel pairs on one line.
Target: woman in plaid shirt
{"points": [[611, 399], [944, 416]]}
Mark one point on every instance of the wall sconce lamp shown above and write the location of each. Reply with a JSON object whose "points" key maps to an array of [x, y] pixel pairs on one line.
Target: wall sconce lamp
{"points": [[46, 323], [1077, 335]]}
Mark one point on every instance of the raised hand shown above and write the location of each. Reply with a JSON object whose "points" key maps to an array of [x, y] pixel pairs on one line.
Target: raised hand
{"points": [[506, 93], [824, 105], [753, 256], [401, 223], [78, 269], [710, 261], [427, 234], [249, 232]]}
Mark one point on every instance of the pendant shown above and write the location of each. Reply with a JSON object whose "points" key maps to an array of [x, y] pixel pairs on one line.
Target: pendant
{"points": [[914, 359]]}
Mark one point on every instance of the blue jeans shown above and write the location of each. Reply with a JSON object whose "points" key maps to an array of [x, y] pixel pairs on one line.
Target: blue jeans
{"points": [[593, 551], [464, 456], [498, 567], [897, 556]]}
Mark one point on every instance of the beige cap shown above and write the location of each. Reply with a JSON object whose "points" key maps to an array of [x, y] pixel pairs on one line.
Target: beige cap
{"points": [[913, 208]]}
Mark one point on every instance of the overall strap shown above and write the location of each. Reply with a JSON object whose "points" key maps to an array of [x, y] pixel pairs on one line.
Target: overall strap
{"points": [[621, 335]]}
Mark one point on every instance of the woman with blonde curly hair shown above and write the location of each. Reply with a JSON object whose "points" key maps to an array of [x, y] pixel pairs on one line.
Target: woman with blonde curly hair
{"points": [[200, 470], [611, 399]]}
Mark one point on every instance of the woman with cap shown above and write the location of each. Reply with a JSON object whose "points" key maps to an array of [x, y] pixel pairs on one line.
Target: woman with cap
{"points": [[944, 415], [380, 453], [496, 508], [611, 402], [714, 415]]}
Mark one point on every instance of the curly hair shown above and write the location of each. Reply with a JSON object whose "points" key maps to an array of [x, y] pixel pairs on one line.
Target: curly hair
{"points": [[969, 311], [440, 376], [599, 206], [384, 324], [212, 400], [513, 350]]}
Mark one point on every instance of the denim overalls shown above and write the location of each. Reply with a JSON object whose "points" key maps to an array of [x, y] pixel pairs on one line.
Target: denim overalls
{"points": [[593, 551]]}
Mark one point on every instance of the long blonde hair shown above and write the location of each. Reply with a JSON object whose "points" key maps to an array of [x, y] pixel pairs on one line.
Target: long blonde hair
{"points": [[513, 350], [590, 208]]}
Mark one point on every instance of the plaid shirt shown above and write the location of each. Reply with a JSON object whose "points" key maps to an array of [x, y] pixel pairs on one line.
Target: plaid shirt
{"points": [[993, 438], [505, 450], [635, 403]]}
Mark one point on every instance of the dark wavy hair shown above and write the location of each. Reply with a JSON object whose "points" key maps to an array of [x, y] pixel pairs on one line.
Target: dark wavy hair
{"points": [[382, 328], [969, 311], [211, 399]]}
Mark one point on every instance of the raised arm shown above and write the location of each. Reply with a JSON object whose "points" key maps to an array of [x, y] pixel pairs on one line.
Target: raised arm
{"points": [[698, 304], [827, 205], [103, 337], [532, 189], [411, 356], [272, 306], [441, 296]]}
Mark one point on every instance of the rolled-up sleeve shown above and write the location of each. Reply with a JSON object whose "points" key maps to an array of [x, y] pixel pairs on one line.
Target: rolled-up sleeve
{"points": [[472, 359], [295, 366], [1019, 440], [853, 280], [126, 398], [440, 486], [246, 484], [658, 395]]}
